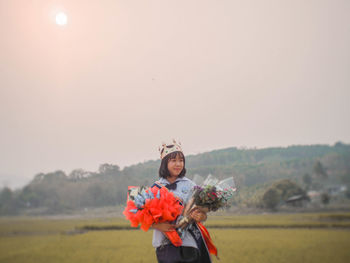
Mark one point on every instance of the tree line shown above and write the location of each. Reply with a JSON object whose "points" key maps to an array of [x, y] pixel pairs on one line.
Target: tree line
{"points": [[263, 177]]}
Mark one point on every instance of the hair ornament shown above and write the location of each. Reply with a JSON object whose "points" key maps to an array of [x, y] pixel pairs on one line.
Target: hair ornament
{"points": [[166, 149]]}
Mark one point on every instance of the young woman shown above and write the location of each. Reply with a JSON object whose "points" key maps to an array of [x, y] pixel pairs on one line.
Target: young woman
{"points": [[172, 173]]}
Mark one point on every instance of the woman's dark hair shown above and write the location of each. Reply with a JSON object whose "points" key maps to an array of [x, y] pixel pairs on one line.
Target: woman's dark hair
{"points": [[163, 169]]}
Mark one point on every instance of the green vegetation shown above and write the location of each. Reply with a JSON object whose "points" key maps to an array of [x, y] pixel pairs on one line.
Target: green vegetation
{"points": [[56, 240], [280, 191], [314, 167], [305, 220]]}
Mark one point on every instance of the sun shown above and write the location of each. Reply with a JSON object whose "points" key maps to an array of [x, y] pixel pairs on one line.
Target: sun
{"points": [[61, 19]]}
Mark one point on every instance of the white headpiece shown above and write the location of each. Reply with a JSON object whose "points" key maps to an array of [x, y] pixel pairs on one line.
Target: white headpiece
{"points": [[165, 149]]}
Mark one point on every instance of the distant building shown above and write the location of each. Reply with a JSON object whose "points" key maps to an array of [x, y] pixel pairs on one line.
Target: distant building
{"points": [[297, 200], [314, 196], [337, 190]]}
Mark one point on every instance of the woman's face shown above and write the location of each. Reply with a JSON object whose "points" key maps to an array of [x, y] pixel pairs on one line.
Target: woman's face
{"points": [[175, 166]]}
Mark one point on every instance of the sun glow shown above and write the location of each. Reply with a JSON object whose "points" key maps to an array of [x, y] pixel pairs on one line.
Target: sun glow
{"points": [[61, 19]]}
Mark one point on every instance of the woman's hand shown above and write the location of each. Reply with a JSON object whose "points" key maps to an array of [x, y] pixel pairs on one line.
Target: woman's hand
{"points": [[199, 215], [164, 227]]}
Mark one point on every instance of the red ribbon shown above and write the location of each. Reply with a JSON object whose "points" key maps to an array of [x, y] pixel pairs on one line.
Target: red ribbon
{"points": [[208, 241]]}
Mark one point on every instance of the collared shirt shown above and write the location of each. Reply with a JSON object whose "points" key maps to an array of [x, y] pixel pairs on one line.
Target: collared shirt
{"points": [[183, 191]]}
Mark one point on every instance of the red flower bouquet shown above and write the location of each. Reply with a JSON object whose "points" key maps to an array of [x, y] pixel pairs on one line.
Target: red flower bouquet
{"points": [[147, 206]]}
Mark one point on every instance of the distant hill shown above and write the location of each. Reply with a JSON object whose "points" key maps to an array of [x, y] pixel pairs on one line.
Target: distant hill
{"points": [[253, 166], [252, 169]]}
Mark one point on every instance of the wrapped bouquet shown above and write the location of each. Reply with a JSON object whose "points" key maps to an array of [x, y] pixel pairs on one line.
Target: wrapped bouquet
{"points": [[152, 205], [209, 195]]}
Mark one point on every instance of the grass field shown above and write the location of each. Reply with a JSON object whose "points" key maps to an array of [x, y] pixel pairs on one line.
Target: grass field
{"points": [[56, 240]]}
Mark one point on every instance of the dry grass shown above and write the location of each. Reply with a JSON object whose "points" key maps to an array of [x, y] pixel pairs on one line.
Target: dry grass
{"points": [[52, 240]]}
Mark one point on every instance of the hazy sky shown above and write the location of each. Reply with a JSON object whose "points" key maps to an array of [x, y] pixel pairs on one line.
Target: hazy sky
{"points": [[124, 75]]}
